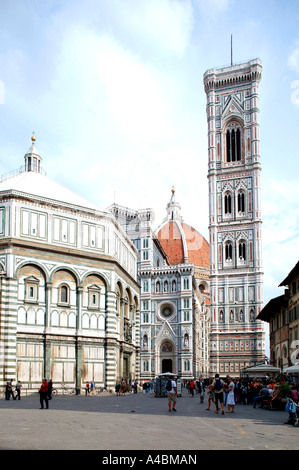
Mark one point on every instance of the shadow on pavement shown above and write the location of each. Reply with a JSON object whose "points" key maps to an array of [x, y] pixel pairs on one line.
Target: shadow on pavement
{"points": [[144, 404]]}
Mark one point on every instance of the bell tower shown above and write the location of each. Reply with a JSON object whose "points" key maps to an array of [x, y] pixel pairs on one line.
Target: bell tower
{"points": [[234, 167]]}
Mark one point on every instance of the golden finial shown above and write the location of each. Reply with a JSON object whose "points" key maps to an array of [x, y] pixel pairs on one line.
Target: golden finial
{"points": [[33, 137], [173, 190]]}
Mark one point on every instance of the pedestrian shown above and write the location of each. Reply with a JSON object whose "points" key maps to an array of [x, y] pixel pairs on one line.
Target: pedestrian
{"points": [[244, 393], [211, 395], [144, 387], [191, 387], [218, 386], [7, 391], [237, 388], [292, 407], [92, 387], [43, 394], [86, 389], [225, 390], [18, 389], [231, 396], [117, 388], [50, 389], [171, 394], [151, 387], [11, 391], [201, 390], [123, 387]]}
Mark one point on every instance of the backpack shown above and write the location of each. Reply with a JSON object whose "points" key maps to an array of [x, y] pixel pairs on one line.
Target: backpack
{"points": [[169, 386], [218, 384]]}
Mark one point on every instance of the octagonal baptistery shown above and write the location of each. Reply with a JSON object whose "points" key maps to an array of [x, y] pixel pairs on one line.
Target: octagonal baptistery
{"points": [[68, 281]]}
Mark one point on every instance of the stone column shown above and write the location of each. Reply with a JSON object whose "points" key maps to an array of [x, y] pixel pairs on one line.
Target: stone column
{"points": [[78, 345], [111, 342]]}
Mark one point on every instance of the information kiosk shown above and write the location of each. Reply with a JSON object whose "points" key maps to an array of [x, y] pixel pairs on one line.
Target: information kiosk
{"points": [[160, 384]]}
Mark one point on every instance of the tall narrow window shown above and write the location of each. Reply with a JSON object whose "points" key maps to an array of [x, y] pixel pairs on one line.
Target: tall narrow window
{"points": [[242, 251], [228, 252], [233, 143], [63, 294], [238, 144], [227, 204], [241, 202], [228, 147]]}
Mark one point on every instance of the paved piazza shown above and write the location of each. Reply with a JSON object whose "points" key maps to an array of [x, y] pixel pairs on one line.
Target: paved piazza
{"points": [[139, 422]]}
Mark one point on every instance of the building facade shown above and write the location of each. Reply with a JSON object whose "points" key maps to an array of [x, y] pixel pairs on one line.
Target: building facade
{"points": [[69, 306], [234, 167], [282, 315], [173, 272]]}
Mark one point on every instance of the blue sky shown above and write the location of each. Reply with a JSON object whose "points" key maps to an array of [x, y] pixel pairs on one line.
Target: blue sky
{"points": [[113, 90]]}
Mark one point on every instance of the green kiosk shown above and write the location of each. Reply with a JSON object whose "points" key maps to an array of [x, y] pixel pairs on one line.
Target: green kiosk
{"points": [[160, 384]]}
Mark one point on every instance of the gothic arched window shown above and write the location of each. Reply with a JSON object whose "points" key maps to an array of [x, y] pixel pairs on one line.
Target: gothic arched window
{"points": [[228, 251], [233, 143], [242, 250], [227, 204], [241, 202]]}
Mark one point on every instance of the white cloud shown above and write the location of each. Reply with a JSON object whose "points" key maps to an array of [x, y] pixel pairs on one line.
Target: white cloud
{"points": [[215, 6], [164, 26]]}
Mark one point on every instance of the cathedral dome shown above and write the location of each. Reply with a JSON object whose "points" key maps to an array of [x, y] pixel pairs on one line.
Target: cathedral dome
{"points": [[181, 242]]}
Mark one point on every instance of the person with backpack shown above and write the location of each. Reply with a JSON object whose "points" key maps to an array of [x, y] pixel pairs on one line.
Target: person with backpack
{"points": [[171, 394], [218, 387]]}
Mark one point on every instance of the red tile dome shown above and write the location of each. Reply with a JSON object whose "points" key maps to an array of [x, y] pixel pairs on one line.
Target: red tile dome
{"points": [[183, 244]]}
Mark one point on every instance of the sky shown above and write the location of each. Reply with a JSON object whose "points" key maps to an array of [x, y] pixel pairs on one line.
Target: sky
{"points": [[113, 90]]}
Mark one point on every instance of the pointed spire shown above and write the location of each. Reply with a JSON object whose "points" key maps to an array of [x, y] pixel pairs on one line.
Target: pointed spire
{"points": [[173, 208]]}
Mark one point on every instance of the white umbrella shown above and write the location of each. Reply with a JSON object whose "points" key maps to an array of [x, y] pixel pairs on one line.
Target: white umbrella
{"points": [[167, 374], [293, 369], [264, 368]]}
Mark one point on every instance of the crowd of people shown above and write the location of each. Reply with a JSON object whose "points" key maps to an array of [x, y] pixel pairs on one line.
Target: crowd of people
{"points": [[268, 393]]}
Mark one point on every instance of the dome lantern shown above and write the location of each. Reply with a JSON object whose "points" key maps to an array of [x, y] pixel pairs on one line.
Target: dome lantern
{"points": [[32, 158], [173, 208]]}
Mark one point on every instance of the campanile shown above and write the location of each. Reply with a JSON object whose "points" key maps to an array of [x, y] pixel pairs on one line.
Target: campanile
{"points": [[234, 167]]}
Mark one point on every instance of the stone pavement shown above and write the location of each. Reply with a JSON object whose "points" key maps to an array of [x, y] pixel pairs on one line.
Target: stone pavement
{"points": [[139, 422]]}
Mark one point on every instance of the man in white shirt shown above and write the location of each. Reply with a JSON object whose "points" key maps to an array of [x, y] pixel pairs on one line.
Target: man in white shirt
{"points": [[172, 396]]}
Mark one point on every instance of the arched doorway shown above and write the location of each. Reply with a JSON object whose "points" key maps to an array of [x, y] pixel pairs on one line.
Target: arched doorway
{"points": [[166, 365], [167, 357]]}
